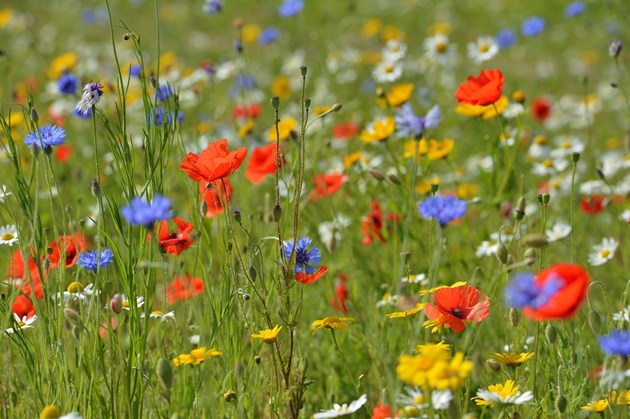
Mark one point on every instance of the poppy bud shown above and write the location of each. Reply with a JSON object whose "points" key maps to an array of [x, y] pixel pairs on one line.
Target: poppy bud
{"points": [[551, 333], [575, 157], [116, 303], [336, 107], [203, 208], [545, 198], [95, 188], [502, 254], [376, 174], [303, 70], [393, 177], [237, 216], [252, 273], [594, 321], [164, 373], [561, 403], [275, 102], [34, 115], [229, 247], [537, 241], [277, 212], [246, 297], [515, 316], [529, 257], [494, 365], [257, 359]]}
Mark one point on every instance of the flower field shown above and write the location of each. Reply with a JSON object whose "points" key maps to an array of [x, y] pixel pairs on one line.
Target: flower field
{"points": [[314, 209]]}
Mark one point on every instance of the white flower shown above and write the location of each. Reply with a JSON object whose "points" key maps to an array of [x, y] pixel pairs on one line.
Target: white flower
{"points": [[8, 235], [76, 291], [157, 314], [23, 323], [558, 231], [623, 315], [414, 279], [550, 167], [394, 50], [625, 216], [487, 248], [92, 93], [413, 396], [593, 187], [511, 396], [567, 145], [438, 50], [441, 399], [388, 300], [483, 49], [387, 71], [513, 110], [342, 410], [603, 252], [4, 193], [613, 378], [194, 339], [329, 230], [125, 302]]}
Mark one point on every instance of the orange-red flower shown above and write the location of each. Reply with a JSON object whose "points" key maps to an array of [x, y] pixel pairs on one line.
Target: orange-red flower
{"points": [[246, 111], [345, 130], [371, 225], [593, 205], [341, 295], [484, 89], [568, 299], [452, 307], [16, 266], [306, 278], [327, 184], [213, 163], [262, 163], [214, 200], [183, 288], [541, 109], [382, 411], [175, 243], [73, 245]]}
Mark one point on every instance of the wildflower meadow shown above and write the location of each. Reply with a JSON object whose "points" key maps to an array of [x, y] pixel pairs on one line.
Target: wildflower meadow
{"points": [[314, 209]]}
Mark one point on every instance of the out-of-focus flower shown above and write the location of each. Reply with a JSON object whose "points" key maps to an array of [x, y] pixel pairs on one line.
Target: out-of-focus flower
{"points": [[503, 394], [574, 8], [603, 252], [183, 288], [342, 410], [506, 38], [92, 93], [398, 94], [67, 84], [444, 209], [598, 406], [514, 360], [196, 356], [175, 243], [541, 109], [327, 184], [262, 163], [387, 71], [532, 26], [617, 343], [290, 8], [452, 307], [285, 128], [379, 130], [381, 411], [146, 214], [484, 49], [484, 89], [268, 36], [410, 124], [70, 245], [213, 7], [438, 50], [558, 231], [593, 205], [213, 163], [336, 323]]}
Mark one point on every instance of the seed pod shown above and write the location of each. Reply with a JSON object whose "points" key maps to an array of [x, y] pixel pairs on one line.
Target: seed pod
{"points": [[393, 177], [164, 373], [116, 303], [252, 273], [551, 333], [537, 241], [494, 365], [376, 174], [502, 254], [277, 212], [515, 316]]}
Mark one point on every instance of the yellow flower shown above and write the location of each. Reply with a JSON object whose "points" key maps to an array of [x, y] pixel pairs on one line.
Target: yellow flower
{"points": [[436, 324], [167, 61], [49, 412], [599, 406], [379, 130], [391, 33], [415, 369], [432, 290], [250, 33], [406, 313], [399, 94], [442, 28], [62, 63], [352, 158], [370, 58], [17, 118], [285, 127], [281, 87], [267, 335], [440, 149], [339, 323], [246, 128], [486, 112], [450, 374], [467, 190], [424, 186], [518, 96], [196, 356], [622, 398], [5, 17], [371, 28], [514, 360], [507, 393], [416, 148]]}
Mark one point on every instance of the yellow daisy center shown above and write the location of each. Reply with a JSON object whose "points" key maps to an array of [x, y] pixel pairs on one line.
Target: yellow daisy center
{"points": [[484, 48], [75, 287], [7, 236], [441, 47]]}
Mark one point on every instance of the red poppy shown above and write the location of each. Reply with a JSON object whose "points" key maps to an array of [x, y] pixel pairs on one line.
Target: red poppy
{"points": [[175, 243], [73, 245], [213, 163], [371, 225], [381, 411], [16, 266], [484, 89], [568, 299], [213, 198], [183, 288], [327, 184], [262, 163], [541, 109], [63, 152], [345, 130], [452, 307], [341, 295], [593, 205], [305, 278], [246, 111], [23, 307], [106, 326]]}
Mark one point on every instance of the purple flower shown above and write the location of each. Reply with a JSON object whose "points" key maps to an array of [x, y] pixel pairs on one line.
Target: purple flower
{"points": [[305, 259], [506, 38], [135, 70], [574, 9], [212, 7], [290, 8], [533, 26], [162, 116], [146, 214], [268, 35], [408, 123], [164, 92], [93, 260], [92, 93], [523, 291], [67, 84], [617, 343], [442, 208], [49, 135]]}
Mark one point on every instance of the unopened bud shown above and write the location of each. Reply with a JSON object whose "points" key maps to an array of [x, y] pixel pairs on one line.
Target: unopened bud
{"points": [[408, 412], [277, 212], [336, 107], [502, 254], [614, 48], [229, 247], [561, 403], [48, 150], [237, 216], [515, 316], [275, 102], [164, 373], [529, 257], [153, 81], [551, 333], [252, 273], [545, 198], [376, 174], [303, 70], [116, 303], [520, 208], [575, 157], [203, 208], [594, 321], [126, 37], [393, 177], [257, 359], [229, 396], [95, 188], [246, 297], [494, 365], [34, 115], [434, 188], [307, 103], [537, 241]]}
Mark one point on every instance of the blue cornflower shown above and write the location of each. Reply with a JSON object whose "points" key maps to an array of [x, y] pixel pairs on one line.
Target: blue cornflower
{"points": [[533, 26], [67, 84], [443, 208], [268, 35], [92, 93], [162, 116], [408, 123], [164, 92], [242, 83], [146, 214], [49, 135], [135, 70], [522, 291], [290, 8], [506, 38], [574, 9], [88, 115], [305, 259], [212, 7], [92, 260], [617, 343]]}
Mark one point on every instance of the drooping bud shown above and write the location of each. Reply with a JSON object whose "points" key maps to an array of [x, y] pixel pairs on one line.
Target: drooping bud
{"points": [[502, 254], [376, 174], [237, 216], [529, 257], [277, 212], [34, 115], [393, 177], [551, 333], [252, 273], [561, 403], [116, 303], [164, 373], [515, 316], [303, 70], [537, 241]]}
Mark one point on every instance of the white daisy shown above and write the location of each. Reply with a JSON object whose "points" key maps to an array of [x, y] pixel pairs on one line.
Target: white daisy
{"points": [[157, 314], [23, 323], [414, 279], [623, 315], [8, 235], [394, 50], [503, 394], [125, 302], [625, 216], [437, 49], [513, 110], [76, 291], [342, 410], [487, 248], [603, 252], [388, 300], [558, 231], [550, 167], [593, 187], [387, 71], [539, 149], [194, 339], [441, 399], [413, 396], [483, 49], [567, 145]]}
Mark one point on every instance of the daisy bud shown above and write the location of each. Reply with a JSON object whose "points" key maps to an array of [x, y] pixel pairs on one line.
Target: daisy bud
{"points": [[376, 174], [494, 365], [116, 303], [303, 70], [594, 321], [551, 333], [561, 403], [529, 257], [277, 212], [515, 316], [614, 49], [537, 241], [575, 157], [252, 273], [393, 177], [50, 412], [502, 254], [164, 373], [336, 107], [275, 102], [34, 115]]}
